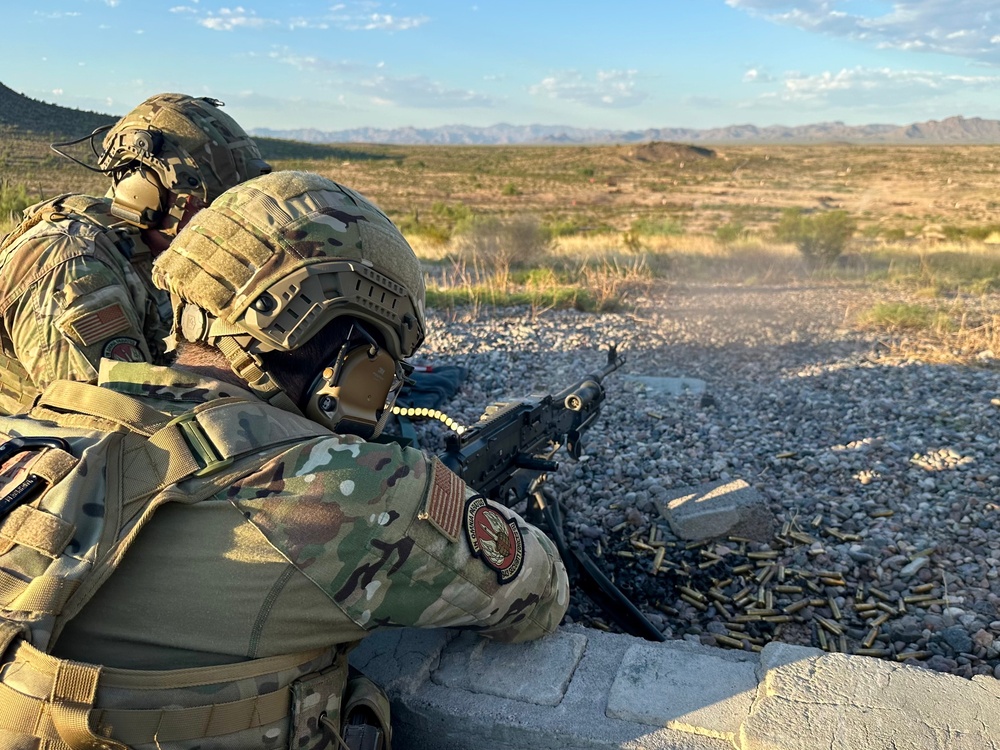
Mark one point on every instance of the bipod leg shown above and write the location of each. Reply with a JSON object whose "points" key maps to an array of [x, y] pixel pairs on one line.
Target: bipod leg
{"points": [[584, 571]]}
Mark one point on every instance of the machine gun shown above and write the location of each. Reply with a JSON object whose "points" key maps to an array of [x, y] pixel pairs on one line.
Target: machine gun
{"points": [[507, 455]]}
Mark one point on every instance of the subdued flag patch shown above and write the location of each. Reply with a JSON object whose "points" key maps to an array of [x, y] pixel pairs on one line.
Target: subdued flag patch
{"points": [[100, 324], [446, 501]]}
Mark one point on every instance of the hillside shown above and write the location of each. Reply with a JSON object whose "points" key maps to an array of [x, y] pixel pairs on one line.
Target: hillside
{"points": [[27, 126], [20, 112]]}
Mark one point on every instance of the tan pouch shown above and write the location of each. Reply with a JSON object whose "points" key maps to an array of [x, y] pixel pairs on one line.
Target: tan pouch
{"points": [[316, 702]]}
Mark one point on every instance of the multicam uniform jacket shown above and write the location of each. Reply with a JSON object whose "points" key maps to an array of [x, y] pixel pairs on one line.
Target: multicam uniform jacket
{"points": [[318, 544], [74, 287], [305, 545]]}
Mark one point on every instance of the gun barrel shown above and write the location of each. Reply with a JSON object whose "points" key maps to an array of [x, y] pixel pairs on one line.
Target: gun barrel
{"points": [[583, 395]]}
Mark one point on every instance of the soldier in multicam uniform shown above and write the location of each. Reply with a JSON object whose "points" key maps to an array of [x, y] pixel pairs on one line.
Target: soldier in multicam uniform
{"points": [[75, 273], [283, 533]]}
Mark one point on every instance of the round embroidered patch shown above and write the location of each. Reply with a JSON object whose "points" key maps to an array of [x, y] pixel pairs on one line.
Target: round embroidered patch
{"points": [[494, 539], [123, 349]]}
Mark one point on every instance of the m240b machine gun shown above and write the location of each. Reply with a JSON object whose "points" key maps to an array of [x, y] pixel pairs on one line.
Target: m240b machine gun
{"points": [[507, 455]]}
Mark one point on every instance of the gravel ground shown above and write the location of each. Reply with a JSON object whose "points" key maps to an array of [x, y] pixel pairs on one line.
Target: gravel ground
{"points": [[882, 472]]}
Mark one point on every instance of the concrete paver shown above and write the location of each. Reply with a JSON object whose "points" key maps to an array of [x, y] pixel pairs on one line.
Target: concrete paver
{"points": [[846, 702], [544, 668], [708, 691]]}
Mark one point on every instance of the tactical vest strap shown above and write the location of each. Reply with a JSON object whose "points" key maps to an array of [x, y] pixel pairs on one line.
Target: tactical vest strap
{"points": [[44, 594], [82, 398], [35, 529], [72, 699]]}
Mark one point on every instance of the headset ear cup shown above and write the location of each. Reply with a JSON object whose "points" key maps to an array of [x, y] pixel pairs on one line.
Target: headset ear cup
{"points": [[139, 198]]}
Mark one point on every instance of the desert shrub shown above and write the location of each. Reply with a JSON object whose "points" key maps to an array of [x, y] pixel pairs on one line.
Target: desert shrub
{"points": [[821, 238], [563, 227], [494, 245], [898, 316], [656, 227], [510, 189], [893, 234], [729, 232], [13, 200], [438, 225]]}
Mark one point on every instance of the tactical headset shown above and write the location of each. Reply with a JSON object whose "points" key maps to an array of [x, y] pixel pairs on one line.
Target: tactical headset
{"points": [[356, 392]]}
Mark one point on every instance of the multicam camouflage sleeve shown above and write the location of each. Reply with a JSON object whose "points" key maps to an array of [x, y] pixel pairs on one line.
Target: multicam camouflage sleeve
{"points": [[64, 308], [395, 539]]}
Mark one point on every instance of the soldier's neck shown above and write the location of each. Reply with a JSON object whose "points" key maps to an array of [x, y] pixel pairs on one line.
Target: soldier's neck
{"points": [[206, 362]]}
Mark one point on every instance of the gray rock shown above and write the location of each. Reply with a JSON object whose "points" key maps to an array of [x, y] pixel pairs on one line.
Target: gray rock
{"points": [[718, 509]]}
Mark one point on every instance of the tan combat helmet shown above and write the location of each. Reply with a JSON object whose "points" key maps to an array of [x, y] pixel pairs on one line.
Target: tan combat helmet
{"points": [[170, 148], [271, 262]]}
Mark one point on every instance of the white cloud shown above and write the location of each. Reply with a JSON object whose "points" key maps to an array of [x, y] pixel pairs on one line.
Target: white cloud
{"points": [[228, 19], [57, 92], [864, 87], [57, 14], [609, 88], [358, 16], [757, 75], [961, 28], [382, 88], [391, 23], [419, 91]]}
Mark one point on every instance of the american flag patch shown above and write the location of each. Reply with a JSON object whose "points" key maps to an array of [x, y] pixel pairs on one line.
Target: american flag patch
{"points": [[100, 324], [446, 502]]}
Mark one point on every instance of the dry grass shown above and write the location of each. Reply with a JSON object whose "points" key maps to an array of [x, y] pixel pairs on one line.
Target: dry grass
{"points": [[621, 219]]}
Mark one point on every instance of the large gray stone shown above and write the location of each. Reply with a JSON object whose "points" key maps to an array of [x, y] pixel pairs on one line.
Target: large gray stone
{"points": [[707, 692], [718, 509]]}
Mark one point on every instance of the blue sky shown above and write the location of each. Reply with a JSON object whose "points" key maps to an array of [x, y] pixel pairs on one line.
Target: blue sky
{"points": [[423, 63]]}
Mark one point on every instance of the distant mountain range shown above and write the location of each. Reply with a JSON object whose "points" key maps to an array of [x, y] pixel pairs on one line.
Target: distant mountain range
{"points": [[22, 112], [951, 130]]}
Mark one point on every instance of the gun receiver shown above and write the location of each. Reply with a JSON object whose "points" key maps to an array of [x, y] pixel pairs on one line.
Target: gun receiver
{"points": [[514, 441], [507, 454]]}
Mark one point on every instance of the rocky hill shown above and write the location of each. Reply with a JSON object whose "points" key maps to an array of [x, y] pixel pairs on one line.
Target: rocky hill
{"points": [[23, 118], [20, 112]]}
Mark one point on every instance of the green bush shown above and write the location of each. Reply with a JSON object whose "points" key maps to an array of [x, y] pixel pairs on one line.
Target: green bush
{"points": [[729, 232], [13, 200], [653, 227], [510, 189], [821, 238], [444, 221], [497, 244]]}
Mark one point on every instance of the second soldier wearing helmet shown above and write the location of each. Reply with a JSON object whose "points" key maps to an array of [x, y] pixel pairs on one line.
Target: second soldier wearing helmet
{"points": [[172, 154], [75, 273]]}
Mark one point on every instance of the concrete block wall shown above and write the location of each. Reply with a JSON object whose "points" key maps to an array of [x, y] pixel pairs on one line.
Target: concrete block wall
{"points": [[585, 688]]}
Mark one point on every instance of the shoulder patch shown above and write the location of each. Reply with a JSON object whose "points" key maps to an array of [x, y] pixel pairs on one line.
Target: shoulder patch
{"points": [[447, 497], [123, 349], [100, 324], [494, 539]]}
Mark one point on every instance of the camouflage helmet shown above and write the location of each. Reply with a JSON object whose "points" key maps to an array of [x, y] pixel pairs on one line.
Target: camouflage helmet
{"points": [[173, 143], [272, 261]]}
